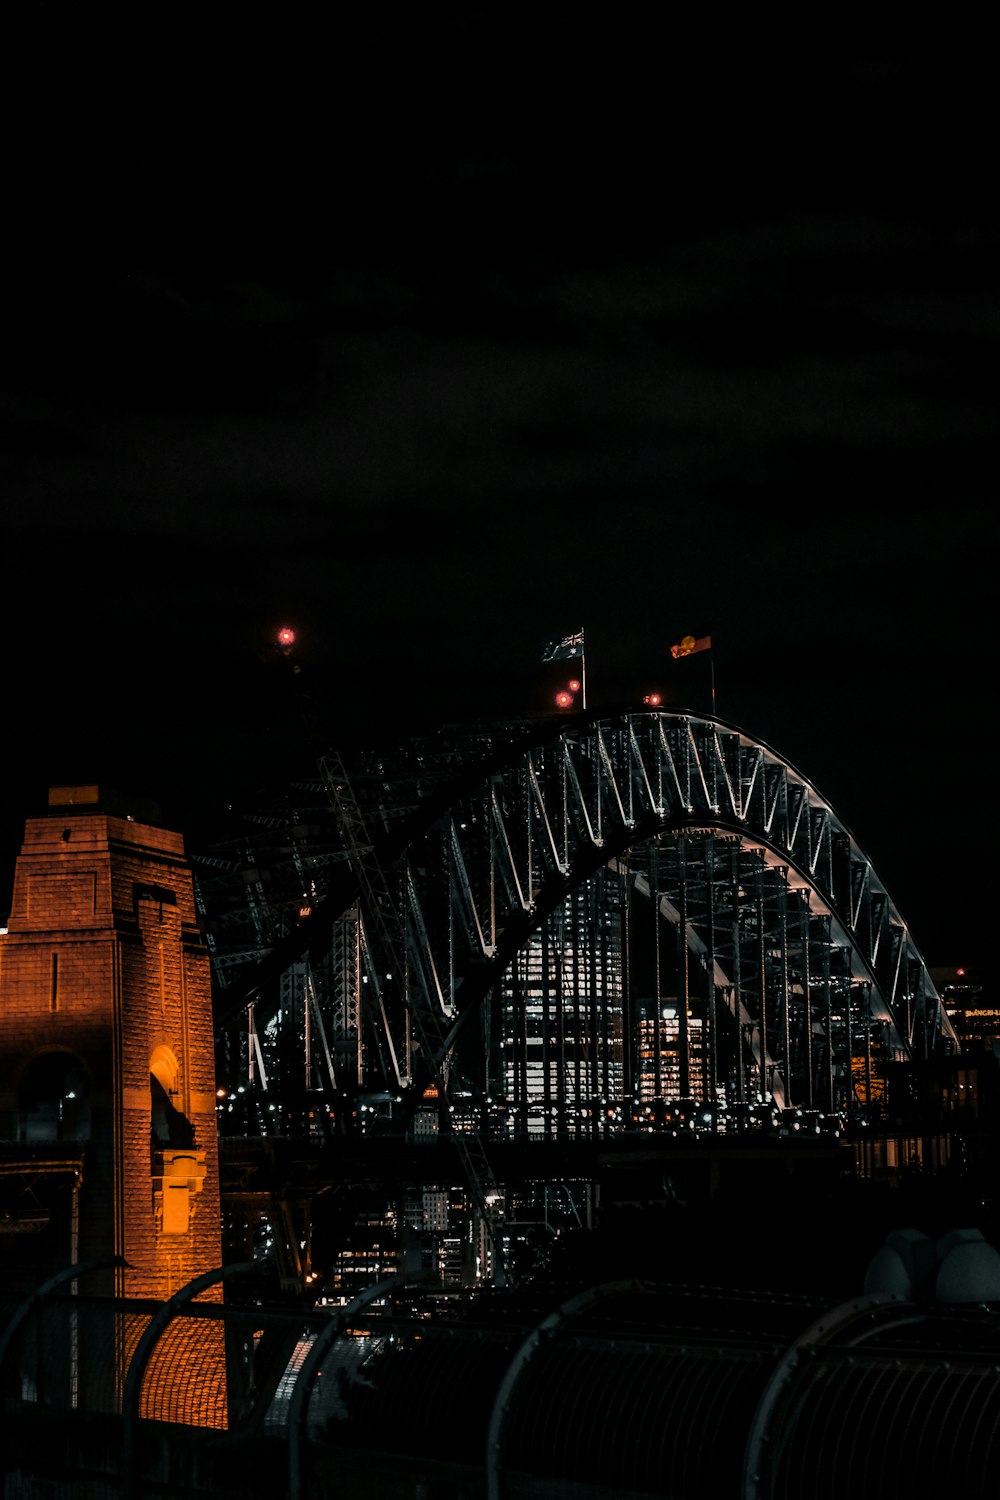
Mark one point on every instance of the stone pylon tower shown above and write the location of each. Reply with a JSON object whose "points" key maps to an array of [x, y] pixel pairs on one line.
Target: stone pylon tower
{"points": [[106, 1037]]}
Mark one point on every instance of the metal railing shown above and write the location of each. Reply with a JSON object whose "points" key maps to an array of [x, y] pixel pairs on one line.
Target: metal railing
{"points": [[626, 1390]]}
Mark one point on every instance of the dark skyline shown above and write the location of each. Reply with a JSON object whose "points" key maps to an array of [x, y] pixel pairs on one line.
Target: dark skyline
{"points": [[440, 331]]}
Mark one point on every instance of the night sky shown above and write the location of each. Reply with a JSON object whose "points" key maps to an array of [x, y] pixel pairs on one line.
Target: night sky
{"points": [[439, 330]]}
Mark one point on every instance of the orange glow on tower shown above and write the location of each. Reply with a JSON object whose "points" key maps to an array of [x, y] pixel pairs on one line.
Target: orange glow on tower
{"points": [[107, 1051], [106, 1035]]}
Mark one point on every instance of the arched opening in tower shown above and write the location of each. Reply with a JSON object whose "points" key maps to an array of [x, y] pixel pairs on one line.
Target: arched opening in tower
{"points": [[169, 1126]]}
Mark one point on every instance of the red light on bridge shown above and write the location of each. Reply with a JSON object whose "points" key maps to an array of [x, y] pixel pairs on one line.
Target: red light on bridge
{"points": [[286, 636], [652, 700], [573, 686], [564, 700]]}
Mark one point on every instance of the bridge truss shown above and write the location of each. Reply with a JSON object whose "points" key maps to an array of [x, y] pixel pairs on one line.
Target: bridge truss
{"points": [[604, 924]]}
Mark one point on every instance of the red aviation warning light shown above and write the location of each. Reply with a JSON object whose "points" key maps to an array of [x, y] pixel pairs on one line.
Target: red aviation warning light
{"points": [[652, 700], [286, 637], [573, 685], [564, 700]]}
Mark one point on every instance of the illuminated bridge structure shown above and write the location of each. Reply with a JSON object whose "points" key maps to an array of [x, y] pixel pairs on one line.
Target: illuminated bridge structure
{"points": [[596, 923]]}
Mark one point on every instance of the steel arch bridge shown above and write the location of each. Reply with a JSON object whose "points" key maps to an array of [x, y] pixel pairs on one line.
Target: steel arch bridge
{"points": [[575, 926]]}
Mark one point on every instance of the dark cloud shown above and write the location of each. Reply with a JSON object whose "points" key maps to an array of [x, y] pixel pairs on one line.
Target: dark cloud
{"points": [[443, 330]]}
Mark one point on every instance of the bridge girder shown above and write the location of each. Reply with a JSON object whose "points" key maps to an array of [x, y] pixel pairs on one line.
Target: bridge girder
{"points": [[490, 836]]}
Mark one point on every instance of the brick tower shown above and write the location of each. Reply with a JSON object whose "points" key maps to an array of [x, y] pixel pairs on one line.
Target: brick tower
{"points": [[106, 1037]]}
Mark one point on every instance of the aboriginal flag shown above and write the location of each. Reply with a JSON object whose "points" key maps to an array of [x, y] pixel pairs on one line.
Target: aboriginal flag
{"points": [[687, 645]]}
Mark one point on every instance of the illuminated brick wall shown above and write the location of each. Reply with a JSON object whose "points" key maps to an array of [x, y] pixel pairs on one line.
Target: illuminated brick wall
{"points": [[106, 1034]]}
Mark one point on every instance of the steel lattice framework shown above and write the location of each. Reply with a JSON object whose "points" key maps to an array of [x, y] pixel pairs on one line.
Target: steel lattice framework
{"points": [[602, 922]]}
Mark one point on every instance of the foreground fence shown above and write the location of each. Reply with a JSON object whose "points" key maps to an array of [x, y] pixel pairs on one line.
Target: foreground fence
{"points": [[623, 1390]]}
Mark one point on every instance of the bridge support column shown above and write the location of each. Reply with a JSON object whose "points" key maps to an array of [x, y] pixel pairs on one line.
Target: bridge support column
{"points": [[106, 1036]]}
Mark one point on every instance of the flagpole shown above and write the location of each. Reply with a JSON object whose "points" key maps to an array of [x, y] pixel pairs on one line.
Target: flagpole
{"points": [[711, 668], [583, 665]]}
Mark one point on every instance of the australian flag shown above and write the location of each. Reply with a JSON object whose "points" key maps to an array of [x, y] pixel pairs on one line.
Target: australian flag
{"points": [[570, 645]]}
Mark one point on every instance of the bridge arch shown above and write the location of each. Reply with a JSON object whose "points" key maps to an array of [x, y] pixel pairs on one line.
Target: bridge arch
{"points": [[797, 981]]}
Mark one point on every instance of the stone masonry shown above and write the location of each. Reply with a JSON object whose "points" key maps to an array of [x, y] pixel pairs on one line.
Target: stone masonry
{"points": [[106, 1034]]}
